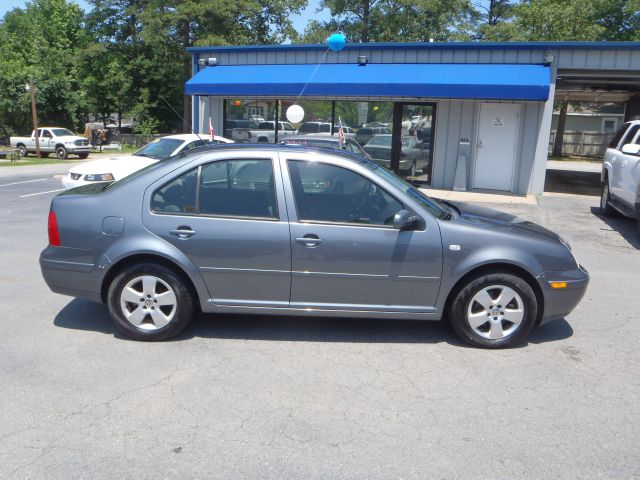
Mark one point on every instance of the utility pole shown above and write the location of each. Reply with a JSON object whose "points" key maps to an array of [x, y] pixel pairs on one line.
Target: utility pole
{"points": [[34, 114]]}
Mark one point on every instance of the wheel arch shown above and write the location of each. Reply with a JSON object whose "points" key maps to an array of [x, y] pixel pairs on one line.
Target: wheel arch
{"points": [[498, 267], [604, 174], [147, 258]]}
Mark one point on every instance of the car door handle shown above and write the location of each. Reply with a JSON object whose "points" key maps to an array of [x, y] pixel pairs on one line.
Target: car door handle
{"points": [[183, 232], [309, 240]]}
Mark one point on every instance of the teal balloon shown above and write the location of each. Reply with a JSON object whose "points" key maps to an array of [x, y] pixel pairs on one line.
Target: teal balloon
{"points": [[336, 42]]}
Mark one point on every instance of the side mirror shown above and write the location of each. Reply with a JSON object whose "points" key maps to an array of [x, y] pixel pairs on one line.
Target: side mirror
{"points": [[631, 149], [404, 220]]}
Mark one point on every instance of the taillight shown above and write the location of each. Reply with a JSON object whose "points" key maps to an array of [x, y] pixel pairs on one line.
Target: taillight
{"points": [[52, 227]]}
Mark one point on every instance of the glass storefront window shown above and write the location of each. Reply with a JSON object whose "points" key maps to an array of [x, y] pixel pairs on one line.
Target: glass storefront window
{"points": [[407, 151], [370, 124], [317, 116], [416, 141], [251, 120]]}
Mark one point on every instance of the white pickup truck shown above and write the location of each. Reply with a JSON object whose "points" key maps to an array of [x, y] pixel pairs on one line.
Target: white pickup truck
{"points": [[265, 133], [56, 140], [621, 173]]}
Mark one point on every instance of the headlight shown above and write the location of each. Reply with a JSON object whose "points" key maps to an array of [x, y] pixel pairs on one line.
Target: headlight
{"points": [[98, 177]]}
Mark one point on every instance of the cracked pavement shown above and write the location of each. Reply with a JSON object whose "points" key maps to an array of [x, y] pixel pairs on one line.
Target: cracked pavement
{"points": [[285, 397]]}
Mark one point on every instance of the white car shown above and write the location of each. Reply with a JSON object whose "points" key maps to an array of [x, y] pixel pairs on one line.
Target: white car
{"points": [[115, 168]]}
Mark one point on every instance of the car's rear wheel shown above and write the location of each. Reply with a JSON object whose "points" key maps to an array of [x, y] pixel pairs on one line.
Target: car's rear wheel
{"points": [[149, 302], [495, 310], [61, 153], [23, 150], [605, 200]]}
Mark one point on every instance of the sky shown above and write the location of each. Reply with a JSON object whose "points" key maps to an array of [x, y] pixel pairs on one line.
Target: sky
{"points": [[299, 21]]}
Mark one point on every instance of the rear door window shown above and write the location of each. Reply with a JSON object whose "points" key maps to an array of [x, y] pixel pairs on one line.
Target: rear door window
{"points": [[238, 188], [230, 188]]}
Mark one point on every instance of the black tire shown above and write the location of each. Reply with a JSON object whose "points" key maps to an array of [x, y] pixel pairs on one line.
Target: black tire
{"points": [[61, 152], [463, 298], [83, 155], [23, 151], [605, 200], [184, 305]]}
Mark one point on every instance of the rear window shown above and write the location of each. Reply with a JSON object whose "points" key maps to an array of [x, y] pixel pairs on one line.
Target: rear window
{"points": [[308, 128]]}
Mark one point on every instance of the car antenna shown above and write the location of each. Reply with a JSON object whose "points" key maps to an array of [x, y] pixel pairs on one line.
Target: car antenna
{"points": [[181, 118]]}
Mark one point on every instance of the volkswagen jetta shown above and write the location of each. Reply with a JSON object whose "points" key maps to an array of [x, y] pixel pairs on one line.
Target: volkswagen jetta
{"points": [[304, 231]]}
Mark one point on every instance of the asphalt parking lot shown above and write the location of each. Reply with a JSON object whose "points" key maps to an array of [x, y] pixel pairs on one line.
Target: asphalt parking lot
{"points": [[276, 397]]}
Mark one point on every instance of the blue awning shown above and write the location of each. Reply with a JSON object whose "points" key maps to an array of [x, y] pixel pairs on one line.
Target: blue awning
{"points": [[409, 80]]}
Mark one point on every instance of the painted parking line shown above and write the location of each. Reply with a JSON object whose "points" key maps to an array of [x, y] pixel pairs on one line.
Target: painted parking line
{"points": [[26, 181], [41, 193]]}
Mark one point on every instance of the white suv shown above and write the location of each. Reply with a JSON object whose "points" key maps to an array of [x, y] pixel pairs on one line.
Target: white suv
{"points": [[621, 173]]}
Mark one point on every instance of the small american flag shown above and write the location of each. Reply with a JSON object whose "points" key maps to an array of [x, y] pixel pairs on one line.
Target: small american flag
{"points": [[340, 133], [211, 134]]}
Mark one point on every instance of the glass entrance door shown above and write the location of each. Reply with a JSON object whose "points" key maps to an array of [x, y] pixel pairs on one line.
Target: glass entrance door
{"points": [[414, 140]]}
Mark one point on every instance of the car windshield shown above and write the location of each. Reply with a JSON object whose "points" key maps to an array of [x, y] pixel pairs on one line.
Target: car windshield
{"points": [[436, 207], [160, 148], [61, 132]]}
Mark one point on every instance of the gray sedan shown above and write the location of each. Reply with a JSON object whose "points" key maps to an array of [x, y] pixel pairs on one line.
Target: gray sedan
{"points": [[292, 230]]}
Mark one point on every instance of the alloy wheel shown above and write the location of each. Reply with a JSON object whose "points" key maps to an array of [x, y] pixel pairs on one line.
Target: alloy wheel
{"points": [[495, 312], [148, 302]]}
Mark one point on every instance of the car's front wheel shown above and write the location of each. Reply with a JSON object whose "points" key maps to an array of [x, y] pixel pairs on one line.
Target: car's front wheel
{"points": [[149, 302], [495, 310], [61, 153]]}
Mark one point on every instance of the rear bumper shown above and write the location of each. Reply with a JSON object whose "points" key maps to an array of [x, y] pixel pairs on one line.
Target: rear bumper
{"points": [[558, 303], [68, 273]]}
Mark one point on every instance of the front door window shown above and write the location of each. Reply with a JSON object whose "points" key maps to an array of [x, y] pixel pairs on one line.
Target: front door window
{"points": [[327, 193]]}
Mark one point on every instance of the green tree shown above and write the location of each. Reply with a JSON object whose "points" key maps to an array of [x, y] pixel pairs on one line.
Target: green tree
{"points": [[42, 41], [395, 20], [570, 20], [150, 36]]}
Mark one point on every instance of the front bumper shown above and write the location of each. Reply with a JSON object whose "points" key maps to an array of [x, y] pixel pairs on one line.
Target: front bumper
{"points": [[68, 182], [558, 303], [78, 148]]}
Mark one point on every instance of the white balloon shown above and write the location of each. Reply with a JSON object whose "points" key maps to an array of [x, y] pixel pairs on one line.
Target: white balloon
{"points": [[295, 113]]}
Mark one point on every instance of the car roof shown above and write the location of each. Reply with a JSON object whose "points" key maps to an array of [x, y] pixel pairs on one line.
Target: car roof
{"points": [[244, 147], [192, 136]]}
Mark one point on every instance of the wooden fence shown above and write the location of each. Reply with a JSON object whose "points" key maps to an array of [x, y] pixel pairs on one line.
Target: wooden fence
{"points": [[582, 144]]}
